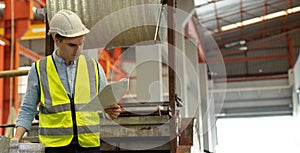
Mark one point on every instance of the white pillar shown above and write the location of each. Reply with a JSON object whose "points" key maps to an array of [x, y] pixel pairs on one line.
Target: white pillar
{"points": [[149, 85], [208, 112], [193, 97]]}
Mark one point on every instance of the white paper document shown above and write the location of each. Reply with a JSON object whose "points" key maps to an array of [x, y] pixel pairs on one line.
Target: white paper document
{"points": [[110, 94]]}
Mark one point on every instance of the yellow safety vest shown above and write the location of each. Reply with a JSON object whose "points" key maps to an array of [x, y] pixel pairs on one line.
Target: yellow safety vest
{"points": [[61, 117]]}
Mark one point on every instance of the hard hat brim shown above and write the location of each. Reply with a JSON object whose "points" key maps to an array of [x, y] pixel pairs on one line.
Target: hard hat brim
{"points": [[81, 33]]}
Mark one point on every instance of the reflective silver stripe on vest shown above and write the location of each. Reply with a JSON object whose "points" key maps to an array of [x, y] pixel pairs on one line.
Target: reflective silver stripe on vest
{"points": [[91, 71], [89, 107], [55, 109], [44, 80], [69, 131]]}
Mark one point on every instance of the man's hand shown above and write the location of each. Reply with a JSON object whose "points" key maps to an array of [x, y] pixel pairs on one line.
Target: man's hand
{"points": [[113, 111]]}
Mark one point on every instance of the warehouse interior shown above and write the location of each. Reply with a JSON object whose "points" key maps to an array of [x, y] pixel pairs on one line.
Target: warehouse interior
{"points": [[191, 63]]}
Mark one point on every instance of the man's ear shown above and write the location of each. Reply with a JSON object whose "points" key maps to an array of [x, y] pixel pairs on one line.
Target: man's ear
{"points": [[56, 41]]}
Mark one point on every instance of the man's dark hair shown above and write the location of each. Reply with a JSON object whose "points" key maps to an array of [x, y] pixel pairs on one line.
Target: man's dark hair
{"points": [[59, 37]]}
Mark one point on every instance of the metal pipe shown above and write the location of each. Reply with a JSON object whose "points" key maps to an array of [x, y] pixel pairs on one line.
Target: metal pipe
{"points": [[13, 73], [158, 22], [12, 57]]}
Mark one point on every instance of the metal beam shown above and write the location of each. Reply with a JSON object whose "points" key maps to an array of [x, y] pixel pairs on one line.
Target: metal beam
{"points": [[35, 31], [29, 53], [41, 2], [192, 31], [244, 59]]}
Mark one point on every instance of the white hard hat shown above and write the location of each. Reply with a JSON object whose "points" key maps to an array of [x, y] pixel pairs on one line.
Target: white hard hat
{"points": [[67, 24]]}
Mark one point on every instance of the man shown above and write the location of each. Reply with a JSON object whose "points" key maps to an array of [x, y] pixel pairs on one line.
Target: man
{"points": [[63, 83]]}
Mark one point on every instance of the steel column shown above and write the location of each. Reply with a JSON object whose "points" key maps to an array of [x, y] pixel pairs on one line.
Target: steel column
{"points": [[1, 88], [49, 40], [171, 56]]}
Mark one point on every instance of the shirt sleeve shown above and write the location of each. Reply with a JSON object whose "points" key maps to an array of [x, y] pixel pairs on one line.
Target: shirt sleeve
{"points": [[30, 101], [102, 77]]}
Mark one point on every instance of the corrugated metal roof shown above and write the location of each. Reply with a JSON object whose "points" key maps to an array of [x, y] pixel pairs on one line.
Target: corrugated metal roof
{"points": [[113, 22]]}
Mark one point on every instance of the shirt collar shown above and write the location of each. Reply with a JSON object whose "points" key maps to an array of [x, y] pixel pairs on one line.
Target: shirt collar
{"points": [[59, 60]]}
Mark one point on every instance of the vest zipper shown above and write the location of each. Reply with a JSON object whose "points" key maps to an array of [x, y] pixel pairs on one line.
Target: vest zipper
{"points": [[74, 119]]}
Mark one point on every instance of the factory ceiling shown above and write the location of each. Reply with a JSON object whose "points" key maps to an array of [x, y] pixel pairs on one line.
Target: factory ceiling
{"points": [[256, 38]]}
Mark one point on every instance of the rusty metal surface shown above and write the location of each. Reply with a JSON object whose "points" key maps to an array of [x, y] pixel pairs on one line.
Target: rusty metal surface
{"points": [[94, 12], [189, 132], [189, 136], [187, 149]]}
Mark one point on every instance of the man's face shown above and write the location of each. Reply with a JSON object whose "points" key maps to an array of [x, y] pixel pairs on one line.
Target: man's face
{"points": [[70, 48]]}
